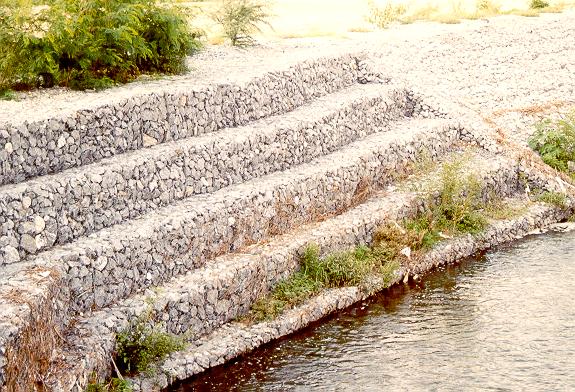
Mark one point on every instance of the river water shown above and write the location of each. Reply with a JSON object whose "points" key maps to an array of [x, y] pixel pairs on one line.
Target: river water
{"points": [[504, 321]]}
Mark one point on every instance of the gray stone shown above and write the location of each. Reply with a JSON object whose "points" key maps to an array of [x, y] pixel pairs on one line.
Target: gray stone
{"points": [[28, 243], [10, 254]]}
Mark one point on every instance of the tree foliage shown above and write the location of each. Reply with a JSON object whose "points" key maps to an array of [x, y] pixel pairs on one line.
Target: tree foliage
{"points": [[90, 43]]}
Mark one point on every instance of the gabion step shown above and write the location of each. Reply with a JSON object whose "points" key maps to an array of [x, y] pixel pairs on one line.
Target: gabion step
{"points": [[35, 142], [56, 209], [118, 261]]}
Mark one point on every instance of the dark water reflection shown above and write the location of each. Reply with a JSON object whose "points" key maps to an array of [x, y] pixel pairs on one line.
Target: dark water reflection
{"points": [[504, 321]]}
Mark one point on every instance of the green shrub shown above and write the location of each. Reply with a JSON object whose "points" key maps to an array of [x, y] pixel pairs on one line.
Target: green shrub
{"points": [[555, 142], [240, 19], [91, 43], [141, 344], [459, 201], [457, 209], [538, 4]]}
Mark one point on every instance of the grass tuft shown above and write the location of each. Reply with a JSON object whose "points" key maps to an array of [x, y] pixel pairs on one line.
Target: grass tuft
{"points": [[383, 16], [554, 198], [142, 344], [240, 19], [114, 385], [7, 94], [499, 210], [538, 4]]}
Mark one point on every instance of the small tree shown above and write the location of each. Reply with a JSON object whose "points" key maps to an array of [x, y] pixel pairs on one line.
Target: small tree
{"points": [[240, 19]]}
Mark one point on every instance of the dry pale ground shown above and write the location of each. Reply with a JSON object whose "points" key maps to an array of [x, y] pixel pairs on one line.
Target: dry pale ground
{"points": [[338, 18]]}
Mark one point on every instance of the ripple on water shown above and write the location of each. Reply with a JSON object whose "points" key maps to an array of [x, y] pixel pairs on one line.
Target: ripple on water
{"points": [[504, 321]]}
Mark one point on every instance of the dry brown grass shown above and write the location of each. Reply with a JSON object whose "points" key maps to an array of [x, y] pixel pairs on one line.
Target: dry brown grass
{"points": [[29, 358], [534, 109]]}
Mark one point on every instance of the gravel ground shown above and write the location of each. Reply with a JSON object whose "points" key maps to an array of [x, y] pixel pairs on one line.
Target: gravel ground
{"points": [[511, 70]]}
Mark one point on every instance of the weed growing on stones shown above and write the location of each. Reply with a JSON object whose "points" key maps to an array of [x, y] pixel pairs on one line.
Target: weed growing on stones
{"points": [[340, 269], [460, 201], [554, 140], [498, 209], [456, 208], [142, 344], [114, 385], [554, 198]]}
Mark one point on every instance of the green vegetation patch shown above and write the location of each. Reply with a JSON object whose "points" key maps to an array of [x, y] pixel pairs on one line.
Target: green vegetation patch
{"points": [[91, 43], [113, 385], [554, 141], [340, 269], [142, 344], [499, 209], [7, 95], [456, 207], [554, 198]]}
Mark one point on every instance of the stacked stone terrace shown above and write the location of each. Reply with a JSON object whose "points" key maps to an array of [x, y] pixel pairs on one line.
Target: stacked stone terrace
{"points": [[203, 195]]}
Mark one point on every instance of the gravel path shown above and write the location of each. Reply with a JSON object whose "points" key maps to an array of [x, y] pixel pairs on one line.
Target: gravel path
{"points": [[511, 70]]}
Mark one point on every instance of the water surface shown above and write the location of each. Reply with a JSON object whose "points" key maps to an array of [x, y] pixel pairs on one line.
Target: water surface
{"points": [[504, 321]]}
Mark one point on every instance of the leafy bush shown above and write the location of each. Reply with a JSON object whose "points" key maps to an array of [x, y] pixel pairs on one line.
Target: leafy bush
{"points": [[538, 4], [141, 344], [91, 43], [555, 142], [240, 19]]}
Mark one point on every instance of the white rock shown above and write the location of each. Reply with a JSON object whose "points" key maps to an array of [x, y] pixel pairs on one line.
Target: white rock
{"points": [[61, 141], [101, 263], [26, 202], [148, 141], [39, 224]]}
